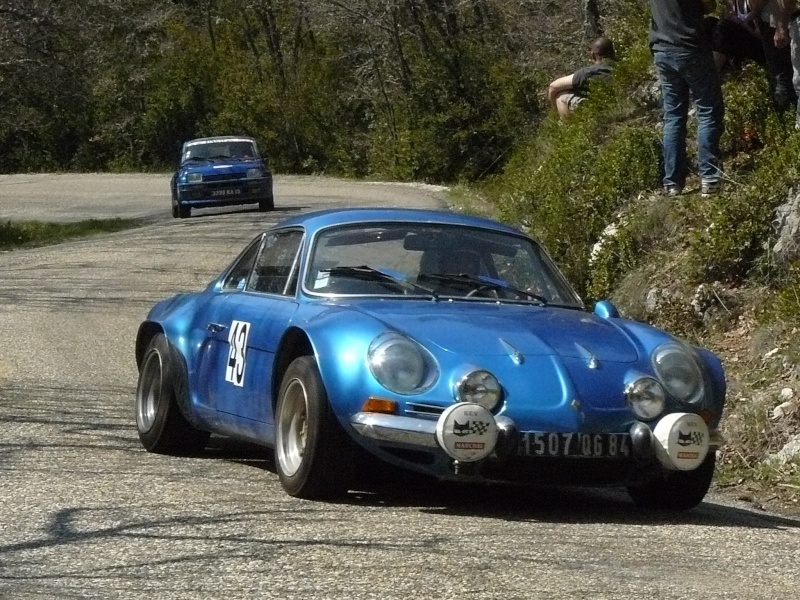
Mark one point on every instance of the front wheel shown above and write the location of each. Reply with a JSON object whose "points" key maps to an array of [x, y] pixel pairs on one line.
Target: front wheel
{"points": [[313, 456], [161, 425], [266, 204], [676, 490]]}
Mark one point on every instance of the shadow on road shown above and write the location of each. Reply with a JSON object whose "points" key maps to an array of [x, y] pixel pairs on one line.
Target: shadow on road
{"points": [[512, 503], [216, 212]]}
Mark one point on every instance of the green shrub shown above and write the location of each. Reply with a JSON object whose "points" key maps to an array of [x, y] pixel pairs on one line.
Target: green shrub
{"points": [[740, 219], [750, 122]]}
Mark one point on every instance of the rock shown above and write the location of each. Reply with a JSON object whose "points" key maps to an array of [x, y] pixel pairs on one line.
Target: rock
{"points": [[787, 226], [652, 300], [789, 451], [783, 410]]}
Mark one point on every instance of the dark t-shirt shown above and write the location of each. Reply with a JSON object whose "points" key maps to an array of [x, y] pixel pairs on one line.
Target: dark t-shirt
{"points": [[677, 25], [736, 41], [582, 77]]}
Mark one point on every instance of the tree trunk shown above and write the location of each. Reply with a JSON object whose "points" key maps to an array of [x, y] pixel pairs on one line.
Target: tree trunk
{"points": [[591, 19]]}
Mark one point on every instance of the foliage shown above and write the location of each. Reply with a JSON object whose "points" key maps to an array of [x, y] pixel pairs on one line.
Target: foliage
{"points": [[574, 178], [740, 220], [426, 91], [782, 304]]}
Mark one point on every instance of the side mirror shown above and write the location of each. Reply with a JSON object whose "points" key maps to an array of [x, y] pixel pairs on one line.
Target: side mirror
{"points": [[606, 310]]}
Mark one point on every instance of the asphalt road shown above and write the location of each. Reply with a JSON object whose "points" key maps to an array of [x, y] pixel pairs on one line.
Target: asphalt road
{"points": [[86, 513]]}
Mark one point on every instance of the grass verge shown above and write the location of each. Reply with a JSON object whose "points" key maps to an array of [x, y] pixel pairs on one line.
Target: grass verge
{"points": [[29, 234]]}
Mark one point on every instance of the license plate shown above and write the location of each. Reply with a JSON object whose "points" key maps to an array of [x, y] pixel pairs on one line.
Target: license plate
{"points": [[579, 445], [231, 192]]}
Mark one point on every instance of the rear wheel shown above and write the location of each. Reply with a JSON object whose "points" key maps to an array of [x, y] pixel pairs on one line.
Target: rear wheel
{"points": [[162, 427], [676, 490], [313, 456]]}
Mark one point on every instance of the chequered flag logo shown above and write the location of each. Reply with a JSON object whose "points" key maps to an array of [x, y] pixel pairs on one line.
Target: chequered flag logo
{"points": [[693, 438], [479, 427]]}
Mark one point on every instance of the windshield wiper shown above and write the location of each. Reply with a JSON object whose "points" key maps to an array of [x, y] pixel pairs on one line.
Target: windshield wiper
{"points": [[481, 282], [366, 273]]}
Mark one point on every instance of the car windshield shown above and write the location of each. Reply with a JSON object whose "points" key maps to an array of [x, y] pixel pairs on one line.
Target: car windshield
{"points": [[222, 149], [435, 260]]}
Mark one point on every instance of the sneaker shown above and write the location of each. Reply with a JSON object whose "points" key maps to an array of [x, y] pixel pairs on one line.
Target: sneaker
{"points": [[673, 190], [709, 188]]}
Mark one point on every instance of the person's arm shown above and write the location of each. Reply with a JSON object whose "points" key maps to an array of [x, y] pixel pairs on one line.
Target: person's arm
{"points": [[785, 10], [560, 85]]}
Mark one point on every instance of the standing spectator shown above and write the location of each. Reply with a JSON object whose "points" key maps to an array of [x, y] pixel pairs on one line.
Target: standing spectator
{"points": [[789, 24], [567, 92], [685, 64], [772, 25]]}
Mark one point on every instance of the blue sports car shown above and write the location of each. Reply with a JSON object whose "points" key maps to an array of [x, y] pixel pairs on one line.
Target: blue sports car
{"points": [[439, 343], [220, 171]]}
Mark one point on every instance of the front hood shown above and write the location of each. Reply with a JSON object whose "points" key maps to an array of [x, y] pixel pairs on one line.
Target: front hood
{"points": [[488, 329], [219, 166]]}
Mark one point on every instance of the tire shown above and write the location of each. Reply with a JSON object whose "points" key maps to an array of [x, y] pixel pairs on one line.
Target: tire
{"points": [[184, 212], [161, 425], [676, 490], [266, 204], [313, 455]]}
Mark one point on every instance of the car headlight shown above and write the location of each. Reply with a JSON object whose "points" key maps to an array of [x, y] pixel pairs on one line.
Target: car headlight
{"points": [[646, 398], [479, 387], [254, 173], [400, 364], [194, 177], [678, 371]]}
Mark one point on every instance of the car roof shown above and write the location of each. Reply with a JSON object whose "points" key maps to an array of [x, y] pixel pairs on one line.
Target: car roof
{"points": [[342, 216], [220, 138]]}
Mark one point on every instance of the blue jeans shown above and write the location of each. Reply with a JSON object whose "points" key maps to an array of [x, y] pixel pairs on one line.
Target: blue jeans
{"points": [[683, 73]]}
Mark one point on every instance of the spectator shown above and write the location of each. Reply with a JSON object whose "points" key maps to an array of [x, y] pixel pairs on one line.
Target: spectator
{"points": [[685, 63], [772, 27], [567, 92], [790, 25]]}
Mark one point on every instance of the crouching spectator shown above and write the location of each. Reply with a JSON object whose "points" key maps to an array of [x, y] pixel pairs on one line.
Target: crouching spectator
{"points": [[567, 92]]}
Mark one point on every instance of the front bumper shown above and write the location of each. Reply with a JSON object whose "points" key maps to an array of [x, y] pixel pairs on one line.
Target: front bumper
{"points": [[387, 431], [224, 193]]}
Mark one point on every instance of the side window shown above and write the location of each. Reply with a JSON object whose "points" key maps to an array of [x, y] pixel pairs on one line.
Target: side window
{"points": [[237, 278], [277, 264]]}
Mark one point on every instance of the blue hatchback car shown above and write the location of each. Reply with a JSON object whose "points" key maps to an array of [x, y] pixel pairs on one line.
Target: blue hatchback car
{"points": [[221, 171], [443, 344]]}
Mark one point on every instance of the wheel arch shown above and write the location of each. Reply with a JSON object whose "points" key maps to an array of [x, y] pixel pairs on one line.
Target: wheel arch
{"points": [[147, 331], [295, 343]]}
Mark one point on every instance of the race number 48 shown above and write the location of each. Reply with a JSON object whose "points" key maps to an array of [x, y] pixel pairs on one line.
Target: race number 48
{"points": [[237, 338]]}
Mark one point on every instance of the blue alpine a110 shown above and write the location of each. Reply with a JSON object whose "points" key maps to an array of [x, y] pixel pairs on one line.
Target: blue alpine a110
{"points": [[439, 343], [220, 171]]}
